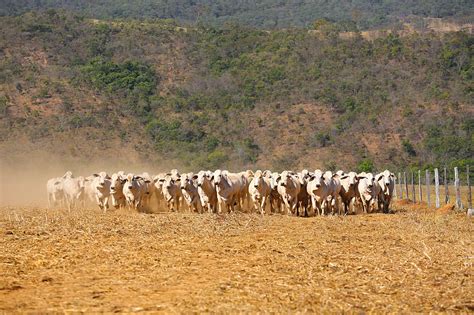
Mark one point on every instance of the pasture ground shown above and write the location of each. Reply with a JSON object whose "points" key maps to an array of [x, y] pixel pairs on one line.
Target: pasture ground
{"points": [[412, 261]]}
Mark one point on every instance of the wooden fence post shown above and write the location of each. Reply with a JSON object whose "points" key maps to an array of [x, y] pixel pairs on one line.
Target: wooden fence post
{"points": [[457, 188], [406, 184], [413, 186], [428, 188], [437, 186], [400, 181], [469, 196], [420, 193], [446, 189]]}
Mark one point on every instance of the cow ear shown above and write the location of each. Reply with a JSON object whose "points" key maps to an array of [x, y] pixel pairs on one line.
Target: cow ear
{"points": [[58, 182], [108, 177], [123, 180], [168, 174], [161, 180], [96, 175], [178, 179], [195, 177], [147, 181], [278, 179], [344, 177], [379, 177], [212, 177]]}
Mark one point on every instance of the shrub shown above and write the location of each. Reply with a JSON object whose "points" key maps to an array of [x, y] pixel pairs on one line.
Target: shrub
{"points": [[125, 77], [365, 165]]}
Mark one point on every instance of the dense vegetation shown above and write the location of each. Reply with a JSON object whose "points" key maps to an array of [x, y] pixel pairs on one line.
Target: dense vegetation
{"points": [[261, 13], [234, 96]]}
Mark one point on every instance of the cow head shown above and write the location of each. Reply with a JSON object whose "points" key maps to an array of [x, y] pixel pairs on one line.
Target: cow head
{"points": [[101, 178], [202, 177], [351, 179], [129, 180], [275, 178], [217, 177], [388, 178], [116, 182], [370, 180], [168, 181], [283, 179], [257, 179], [187, 181]]}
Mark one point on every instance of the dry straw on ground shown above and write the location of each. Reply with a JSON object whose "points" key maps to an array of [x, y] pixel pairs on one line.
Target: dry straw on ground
{"points": [[413, 261]]}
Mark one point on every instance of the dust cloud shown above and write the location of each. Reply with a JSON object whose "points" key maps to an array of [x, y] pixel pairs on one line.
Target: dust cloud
{"points": [[23, 178]]}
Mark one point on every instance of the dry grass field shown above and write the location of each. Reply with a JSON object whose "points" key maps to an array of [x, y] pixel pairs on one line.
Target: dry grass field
{"points": [[415, 260]]}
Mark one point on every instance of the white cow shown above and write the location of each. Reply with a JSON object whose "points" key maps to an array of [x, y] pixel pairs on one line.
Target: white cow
{"points": [[54, 188], [159, 188], [386, 181], [368, 189], [190, 193], [244, 193], [348, 190], [150, 188], [288, 187], [207, 190], [229, 188], [303, 196], [73, 189], [260, 191], [89, 191], [134, 189], [116, 190], [323, 188], [172, 191], [101, 185]]}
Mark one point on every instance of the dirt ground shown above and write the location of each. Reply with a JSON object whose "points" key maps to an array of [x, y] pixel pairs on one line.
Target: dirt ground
{"points": [[87, 261]]}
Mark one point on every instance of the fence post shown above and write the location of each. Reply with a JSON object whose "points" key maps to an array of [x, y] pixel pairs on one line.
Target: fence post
{"points": [[406, 184], [469, 196], [420, 193], [428, 188], [437, 187], [413, 187], [446, 189], [457, 188]]}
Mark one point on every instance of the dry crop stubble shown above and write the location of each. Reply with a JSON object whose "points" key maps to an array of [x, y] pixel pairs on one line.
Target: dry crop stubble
{"points": [[53, 260]]}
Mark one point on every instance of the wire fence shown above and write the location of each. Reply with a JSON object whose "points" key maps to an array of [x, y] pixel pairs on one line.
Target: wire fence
{"points": [[435, 188]]}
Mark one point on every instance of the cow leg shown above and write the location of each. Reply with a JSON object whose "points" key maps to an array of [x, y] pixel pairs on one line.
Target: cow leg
{"points": [[106, 203], [177, 204], [262, 207], [294, 206], [314, 205], [49, 201]]}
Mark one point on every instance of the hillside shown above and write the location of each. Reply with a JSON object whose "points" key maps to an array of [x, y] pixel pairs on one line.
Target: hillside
{"points": [[266, 14], [208, 97]]}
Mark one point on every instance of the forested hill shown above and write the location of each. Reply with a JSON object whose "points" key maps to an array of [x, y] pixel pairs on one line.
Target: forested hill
{"points": [[361, 14], [232, 97]]}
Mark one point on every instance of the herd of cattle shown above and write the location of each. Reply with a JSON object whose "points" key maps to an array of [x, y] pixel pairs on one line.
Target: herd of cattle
{"points": [[297, 193]]}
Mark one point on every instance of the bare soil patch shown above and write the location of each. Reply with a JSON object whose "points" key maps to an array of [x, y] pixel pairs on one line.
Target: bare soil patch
{"points": [[410, 261]]}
